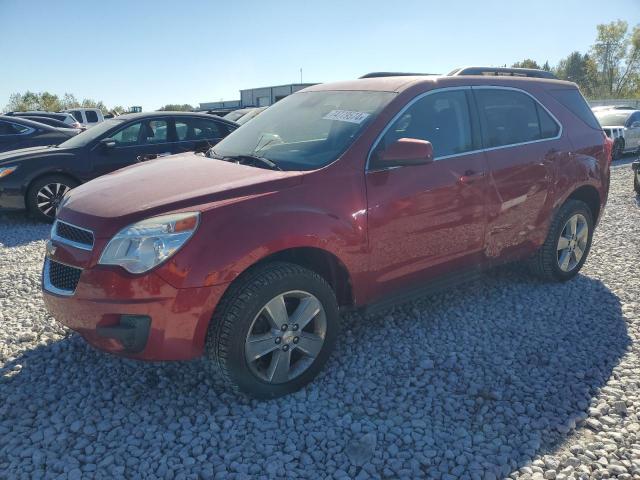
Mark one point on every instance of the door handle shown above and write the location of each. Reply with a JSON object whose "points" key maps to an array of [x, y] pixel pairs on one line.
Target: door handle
{"points": [[164, 154], [470, 176]]}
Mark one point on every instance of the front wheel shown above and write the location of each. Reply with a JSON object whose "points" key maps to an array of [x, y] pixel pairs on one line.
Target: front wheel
{"points": [[567, 245], [274, 330], [46, 193]]}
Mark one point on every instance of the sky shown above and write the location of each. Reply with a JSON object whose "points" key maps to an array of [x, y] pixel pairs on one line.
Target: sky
{"points": [[151, 53]]}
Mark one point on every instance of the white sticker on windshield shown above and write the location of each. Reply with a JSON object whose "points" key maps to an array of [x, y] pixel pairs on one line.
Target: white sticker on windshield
{"points": [[346, 116]]}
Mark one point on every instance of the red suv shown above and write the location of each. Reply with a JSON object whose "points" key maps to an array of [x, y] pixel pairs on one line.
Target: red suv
{"points": [[340, 196]]}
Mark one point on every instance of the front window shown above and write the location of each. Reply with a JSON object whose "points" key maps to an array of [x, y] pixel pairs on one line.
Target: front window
{"points": [[84, 138], [308, 130]]}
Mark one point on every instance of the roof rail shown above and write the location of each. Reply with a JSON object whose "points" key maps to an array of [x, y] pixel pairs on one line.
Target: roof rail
{"points": [[503, 71], [393, 74]]}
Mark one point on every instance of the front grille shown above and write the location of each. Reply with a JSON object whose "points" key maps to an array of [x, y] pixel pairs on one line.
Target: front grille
{"points": [[74, 234], [63, 277]]}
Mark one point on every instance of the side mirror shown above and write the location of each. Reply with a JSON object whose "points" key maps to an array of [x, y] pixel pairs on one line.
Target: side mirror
{"points": [[406, 152], [108, 142]]}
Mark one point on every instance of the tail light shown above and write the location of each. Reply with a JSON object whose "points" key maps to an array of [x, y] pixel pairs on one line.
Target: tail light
{"points": [[608, 148]]}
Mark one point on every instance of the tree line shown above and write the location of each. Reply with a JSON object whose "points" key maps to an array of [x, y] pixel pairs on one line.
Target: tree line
{"points": [[611, 67]]}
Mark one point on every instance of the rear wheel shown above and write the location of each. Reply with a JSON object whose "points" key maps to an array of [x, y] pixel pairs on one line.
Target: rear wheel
{"points": [[46, 193], [567, 244], [636, 181], [618, 149], [274, 330]]}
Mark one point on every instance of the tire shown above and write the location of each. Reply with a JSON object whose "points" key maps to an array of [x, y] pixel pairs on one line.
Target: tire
{"points": [[618, 149], [244, 314], [549, 262], [45, 194], [636, 181]]}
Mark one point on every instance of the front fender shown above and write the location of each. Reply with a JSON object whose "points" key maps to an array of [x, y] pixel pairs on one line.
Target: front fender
{"points": [[236, 236]]}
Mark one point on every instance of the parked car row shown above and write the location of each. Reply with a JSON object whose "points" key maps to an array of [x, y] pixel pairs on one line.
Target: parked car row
{"points": [[622, 125], [350, 195], [37, 178]]}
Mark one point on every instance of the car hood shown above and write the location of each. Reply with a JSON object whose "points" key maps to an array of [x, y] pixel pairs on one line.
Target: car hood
{"points": [[164, 185], [13, 156]]}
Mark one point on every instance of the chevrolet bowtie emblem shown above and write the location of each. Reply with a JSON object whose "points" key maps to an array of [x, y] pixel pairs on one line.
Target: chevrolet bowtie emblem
{"points": [[51, 249]]}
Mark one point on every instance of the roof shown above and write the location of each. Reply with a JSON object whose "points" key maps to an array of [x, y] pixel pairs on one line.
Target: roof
{"points": [[401, 83], [133, 116], [28, 122]]}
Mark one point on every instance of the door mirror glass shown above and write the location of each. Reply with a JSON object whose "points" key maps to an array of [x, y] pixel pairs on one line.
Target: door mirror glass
{"points": [[108, 142], [405, 152]]}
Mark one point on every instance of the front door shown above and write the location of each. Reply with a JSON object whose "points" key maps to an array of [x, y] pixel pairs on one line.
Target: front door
{"points": [[427, 220], [135, 142]]}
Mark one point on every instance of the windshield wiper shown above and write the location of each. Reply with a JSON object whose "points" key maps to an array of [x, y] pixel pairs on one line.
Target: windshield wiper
{"points": [[245, 158]]}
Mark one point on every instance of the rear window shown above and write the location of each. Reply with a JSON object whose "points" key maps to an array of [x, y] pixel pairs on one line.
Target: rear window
{"points": [[92, 117], [511, 117], [575, 102]]}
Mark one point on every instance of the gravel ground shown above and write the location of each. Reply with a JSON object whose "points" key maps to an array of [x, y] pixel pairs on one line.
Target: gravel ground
{"points": [[503, 377]]}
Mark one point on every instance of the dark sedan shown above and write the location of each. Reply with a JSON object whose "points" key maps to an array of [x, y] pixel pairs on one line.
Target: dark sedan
{"points": [[22, 133], [37, 178]]}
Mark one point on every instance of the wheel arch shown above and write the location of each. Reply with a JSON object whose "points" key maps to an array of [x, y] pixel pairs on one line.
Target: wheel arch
{"points": [[48, 173], [589, 195], [322, 262]]}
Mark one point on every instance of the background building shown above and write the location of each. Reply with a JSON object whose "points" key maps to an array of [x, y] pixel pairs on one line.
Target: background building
{"points": [[255, 97]]}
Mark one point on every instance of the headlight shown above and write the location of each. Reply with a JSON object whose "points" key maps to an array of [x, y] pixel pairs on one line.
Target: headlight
{"points": [[4, 171], [146, 244]]}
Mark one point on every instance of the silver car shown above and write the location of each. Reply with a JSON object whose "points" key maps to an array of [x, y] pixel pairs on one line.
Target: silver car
{"points": [[622, 125]]}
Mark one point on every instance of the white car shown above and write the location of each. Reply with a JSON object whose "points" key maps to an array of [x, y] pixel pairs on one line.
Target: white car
{"points": [[622, 125], [87, 116]]}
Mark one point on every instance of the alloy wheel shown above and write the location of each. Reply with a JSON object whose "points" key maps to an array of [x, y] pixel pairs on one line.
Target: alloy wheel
{"points": [[572, 242], [49, 197], [286, 336]]}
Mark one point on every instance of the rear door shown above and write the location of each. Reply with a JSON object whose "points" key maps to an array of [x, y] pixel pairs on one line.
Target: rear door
{"points": [[427, 220], [135, 142], [198, 134], [522, 141]]}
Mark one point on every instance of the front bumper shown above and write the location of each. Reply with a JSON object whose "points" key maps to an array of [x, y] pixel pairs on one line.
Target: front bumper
{"points": [[11, 196], [109, 307]]}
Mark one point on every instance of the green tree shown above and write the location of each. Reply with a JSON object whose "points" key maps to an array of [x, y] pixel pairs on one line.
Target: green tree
{"points": [[580, 69], [526, 63], [616, 53], [174, 107], [45, 101]]}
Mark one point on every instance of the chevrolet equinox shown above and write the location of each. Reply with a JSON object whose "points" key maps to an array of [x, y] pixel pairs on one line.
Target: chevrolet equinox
{"points": [[341, 196]]}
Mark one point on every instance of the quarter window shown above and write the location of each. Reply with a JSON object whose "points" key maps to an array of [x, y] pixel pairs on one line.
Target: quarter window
{"points": [[509, 117], [8, 128], [441, 118]]}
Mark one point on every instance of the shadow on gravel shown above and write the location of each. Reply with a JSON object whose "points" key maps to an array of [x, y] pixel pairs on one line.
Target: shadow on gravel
{"points": [[17, 229], [473, 383]]}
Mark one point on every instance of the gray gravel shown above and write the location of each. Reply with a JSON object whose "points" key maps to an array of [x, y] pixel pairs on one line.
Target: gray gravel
{"points": [[504, 377]]}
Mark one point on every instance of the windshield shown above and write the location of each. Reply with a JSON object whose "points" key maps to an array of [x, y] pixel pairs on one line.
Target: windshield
{"points": [[306, 130], [88, 136], [612, 118]]}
